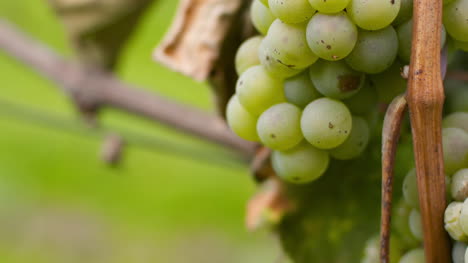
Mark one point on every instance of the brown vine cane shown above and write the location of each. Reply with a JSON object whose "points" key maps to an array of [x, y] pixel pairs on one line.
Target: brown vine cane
{"points": [[425, 98]]}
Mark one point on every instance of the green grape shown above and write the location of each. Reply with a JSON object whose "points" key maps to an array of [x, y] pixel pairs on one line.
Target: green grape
{"points": [[326, 123], [364, 101], [459, 186], [279, 127], [329, 6], [241, 121], [458, 252], [415, 224], [272, 65], [261, 17], [299, 90], [410, 189], [406, 12], [405, 35], [289, 45], [375, 14], [247, 54], [456, 120], [301, 164], [457, 96], [389, 83], [331, 36], [355, 144], [400, 221], [375, 51], [453, 221], [291, 11], [455, 143], [336, 79], [413, 256], [372, 250], [456, 19], [257, 90], [446, 2]]}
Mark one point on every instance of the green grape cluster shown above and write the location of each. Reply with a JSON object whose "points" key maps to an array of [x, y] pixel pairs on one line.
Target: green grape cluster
{"points": [[408, 225], [314, 84], [318, 71]]}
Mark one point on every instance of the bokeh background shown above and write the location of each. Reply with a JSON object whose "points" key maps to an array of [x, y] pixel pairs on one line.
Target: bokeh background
{"points": [[181, 200]]}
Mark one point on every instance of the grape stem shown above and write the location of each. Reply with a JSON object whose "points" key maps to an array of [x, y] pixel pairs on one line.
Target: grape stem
{"points": [[390, 136], [94, 89], [425, 98]]}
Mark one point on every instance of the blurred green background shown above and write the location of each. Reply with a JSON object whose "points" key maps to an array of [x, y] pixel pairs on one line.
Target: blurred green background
{"points": [[60, 203]]}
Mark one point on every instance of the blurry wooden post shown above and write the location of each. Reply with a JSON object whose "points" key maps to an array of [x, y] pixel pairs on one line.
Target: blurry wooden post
{"points": [[425, 99]]}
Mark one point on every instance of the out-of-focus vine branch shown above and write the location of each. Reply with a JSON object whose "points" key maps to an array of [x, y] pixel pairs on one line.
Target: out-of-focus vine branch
{"points": [[151, 143], [92, 89]]}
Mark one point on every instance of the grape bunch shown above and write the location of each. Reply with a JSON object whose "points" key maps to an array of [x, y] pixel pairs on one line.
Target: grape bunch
{"points": [[314, 86], [311, 84], [406, 243]]}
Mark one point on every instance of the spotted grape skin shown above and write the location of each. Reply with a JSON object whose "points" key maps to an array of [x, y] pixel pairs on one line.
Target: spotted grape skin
{"points": [[273, 66], [291, 11], [257, 90], [279, 126], [289, 45], [301, 164], [336, 79], [326, 123], [329, 6], [375, 14], [331, 36], [356, 142]]}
